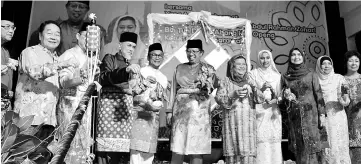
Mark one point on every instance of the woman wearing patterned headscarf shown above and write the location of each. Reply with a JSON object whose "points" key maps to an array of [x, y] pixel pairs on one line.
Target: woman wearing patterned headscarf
{"points": [[125, 23], [269, 123], [237, 96], [305, 108], [336, 120]]}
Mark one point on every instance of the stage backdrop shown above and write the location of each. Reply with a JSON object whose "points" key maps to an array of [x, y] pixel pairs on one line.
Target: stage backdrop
{"points": [[276, 26]]}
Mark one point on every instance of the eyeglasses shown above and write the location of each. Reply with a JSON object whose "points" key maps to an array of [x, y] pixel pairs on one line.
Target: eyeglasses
{"points": [[157, 55], [8, 27], [192, 51]]}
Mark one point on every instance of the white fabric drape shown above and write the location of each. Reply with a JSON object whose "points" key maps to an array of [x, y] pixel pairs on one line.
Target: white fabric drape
{"points": [[205, 16]]}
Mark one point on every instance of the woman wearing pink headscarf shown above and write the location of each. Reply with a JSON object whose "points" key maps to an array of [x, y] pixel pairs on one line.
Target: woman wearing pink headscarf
{"points": [[269, 122]]}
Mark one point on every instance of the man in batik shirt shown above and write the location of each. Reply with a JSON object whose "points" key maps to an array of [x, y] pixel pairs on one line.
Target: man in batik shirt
{"points": [[144, 134]]}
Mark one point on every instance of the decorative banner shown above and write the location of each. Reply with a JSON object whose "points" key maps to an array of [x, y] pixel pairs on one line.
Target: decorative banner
{"points": [[222, 38], [288, 25], [173, 37], [276, 25]]}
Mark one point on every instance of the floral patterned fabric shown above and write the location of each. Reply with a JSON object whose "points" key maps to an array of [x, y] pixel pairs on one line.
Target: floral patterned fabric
{"points": [[144, 134], [191, 126], [239, 123], [354, 119], [5, 100], [355, 155], [354, 112], [37, 91], [336, 123], [269, 119], [306, 137], [68, 102]]}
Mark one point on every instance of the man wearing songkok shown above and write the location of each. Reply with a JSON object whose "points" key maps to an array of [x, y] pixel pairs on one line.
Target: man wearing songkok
{"points": [[76, 11], [115, 115], [144, 134], [73, 82], [8, 65], [190, 106]]}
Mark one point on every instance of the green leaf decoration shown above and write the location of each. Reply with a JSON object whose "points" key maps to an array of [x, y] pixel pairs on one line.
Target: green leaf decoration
{"points": [[41, 155], [24, 145], [25, 122], [21, 139], [3, 156], [36, 129], [4, 131], [8, 139], [11, 116]]}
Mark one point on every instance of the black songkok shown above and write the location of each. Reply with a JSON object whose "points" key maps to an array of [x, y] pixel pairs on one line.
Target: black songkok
{"points": [[7, 14], [155, 46], [128, 37], [197, 43], [84, 2]]}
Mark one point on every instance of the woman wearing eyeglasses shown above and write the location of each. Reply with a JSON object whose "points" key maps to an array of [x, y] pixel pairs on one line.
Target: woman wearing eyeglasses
{"points": [[190, 108]]}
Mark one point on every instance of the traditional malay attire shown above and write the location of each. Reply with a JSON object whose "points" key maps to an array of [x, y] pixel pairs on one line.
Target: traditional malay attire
{"points": [[354, 118], [190, 106], [307, 138], [73, 87], [269, 121], [336, 120], [115, 115], [37, 91], [144, 134], [239, 129]]}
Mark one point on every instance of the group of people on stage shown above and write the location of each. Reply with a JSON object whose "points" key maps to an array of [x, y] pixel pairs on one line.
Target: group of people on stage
{"points": [[322, 107]]}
